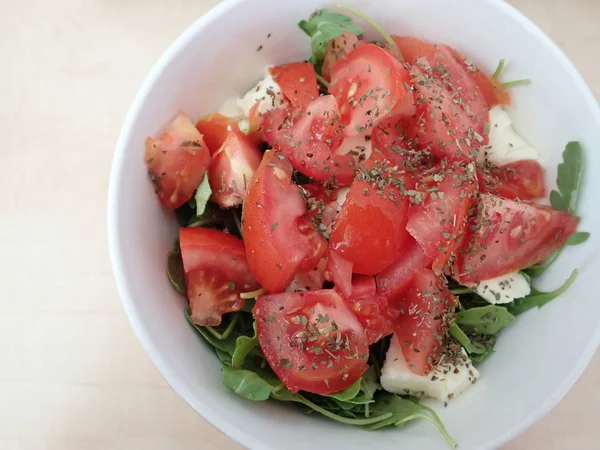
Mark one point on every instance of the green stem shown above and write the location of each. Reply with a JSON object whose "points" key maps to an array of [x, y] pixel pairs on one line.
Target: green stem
{"points": [[367, 410], [523, 82], [341, 419], [496, 73], [252, 294], [238, 222], [438, 423], [231, 326], [459, 291], [214, 332], [379, 29], [322, 80]]}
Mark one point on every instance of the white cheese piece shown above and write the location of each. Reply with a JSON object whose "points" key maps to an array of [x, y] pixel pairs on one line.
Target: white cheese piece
{"points": [[505, 145], [230, 108], [504, 289], [267, 92], [444, 382], [359, 145]]}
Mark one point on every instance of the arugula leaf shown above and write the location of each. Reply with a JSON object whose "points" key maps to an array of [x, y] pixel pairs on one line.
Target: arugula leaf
{"points": [[568, 179], [323, 26], [213, 216], [485, 319], [246, 383], [243, 346], [538, 298], [224, 357], [226, 345], [460, 337], [578, 237], [348, 393], [203, 193], [175, 271]]}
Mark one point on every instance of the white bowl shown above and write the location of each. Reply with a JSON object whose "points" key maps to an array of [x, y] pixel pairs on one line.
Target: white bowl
{"points": [[537, 360]]}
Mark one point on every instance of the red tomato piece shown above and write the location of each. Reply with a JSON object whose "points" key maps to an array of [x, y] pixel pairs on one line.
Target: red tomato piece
{"points": [[337, 49], [298, 82], [367, 84], [279, 236], [394, 279], [421, 325], [309, 137], [216, 272], [437, 219], [370, 308], [413, 49], [339, 270], [324, 205], [522, 180], [370, 229], [506, 236], [311, 340], [213, 128], [177, 161], [232, 168]]}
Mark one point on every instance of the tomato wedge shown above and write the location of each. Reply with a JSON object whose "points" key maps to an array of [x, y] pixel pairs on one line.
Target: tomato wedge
{"points": [[413, 49], [324, 205], [339, 271], [177, 161], [368, 83], [279, 236], [522, 180], [423, 319], [297, 81], [506, 236], [337, 49], [370, 308], [216, 272], [370, 229], [232, 168], [311, 340], [437, 220], [213, 128], [394, 279], [309, 137]]}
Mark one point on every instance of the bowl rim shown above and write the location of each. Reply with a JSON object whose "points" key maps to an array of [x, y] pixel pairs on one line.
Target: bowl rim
{"points": [[229, 428]]}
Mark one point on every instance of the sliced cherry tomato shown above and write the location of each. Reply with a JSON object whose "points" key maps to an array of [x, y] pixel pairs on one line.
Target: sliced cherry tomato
{"points": [[506, 236], [368, 84], [298, 82], [255, 123], [311, 340], [394, 279], [232, 168], [370, 229], [216, 272], [421, 325], [177, 161], [309, 138], [522, 180], [413, 49], [213, 128], [339, 270], [279, 236], [337, 49], [438, 218], [370, 308]]}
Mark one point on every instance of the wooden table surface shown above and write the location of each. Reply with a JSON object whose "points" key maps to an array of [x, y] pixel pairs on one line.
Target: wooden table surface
{"points": [[72, 374]]}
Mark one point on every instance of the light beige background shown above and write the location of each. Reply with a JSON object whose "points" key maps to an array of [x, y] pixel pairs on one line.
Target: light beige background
{"points": [[72, 374]]}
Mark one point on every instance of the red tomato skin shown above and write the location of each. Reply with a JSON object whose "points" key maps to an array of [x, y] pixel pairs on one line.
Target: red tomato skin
{"points": [[438, 223], [507, 235], [368, 84], [370, 308], [371, 227], [413, 49], [297, 81], [279, 237], [213, 128], [422, 322], [339, 271], [394, 279], [216, 272], [232, 168], [177, 161], [284, 325], [522, 180]]}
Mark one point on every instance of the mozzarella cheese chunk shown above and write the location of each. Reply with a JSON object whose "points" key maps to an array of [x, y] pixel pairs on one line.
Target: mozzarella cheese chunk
{"points": [[267, 93], [445, 381], [505, 145], [359, 146], [504, 289]]}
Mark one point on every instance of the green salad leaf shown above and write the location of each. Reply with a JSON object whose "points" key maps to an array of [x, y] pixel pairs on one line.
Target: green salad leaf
{"points": [[538, 299], [246, 383], [477, 345], [460, 337], [175, 271], [485, 319], [323, 26], [243, 346], [203, 193], [579, 237], [568, 179]]}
